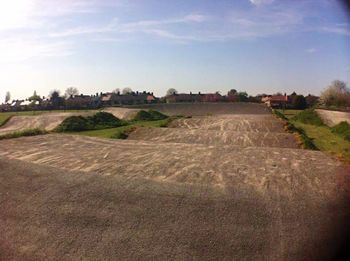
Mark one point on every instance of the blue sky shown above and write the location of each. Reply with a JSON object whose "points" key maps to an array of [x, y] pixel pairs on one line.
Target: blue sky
{"points": [[258, 46]]}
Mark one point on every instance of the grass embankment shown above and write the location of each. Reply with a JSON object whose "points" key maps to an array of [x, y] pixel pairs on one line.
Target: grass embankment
{"points": [[331, 140], [123, 132], [24, 133]]}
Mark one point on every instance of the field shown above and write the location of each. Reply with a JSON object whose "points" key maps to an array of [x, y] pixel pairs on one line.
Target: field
{"points": [[226, 185]]}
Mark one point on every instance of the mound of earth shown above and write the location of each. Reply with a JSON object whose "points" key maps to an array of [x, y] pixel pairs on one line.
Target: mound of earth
{"points": [[204, 109], [261, 168], [122, 113], [215, 138], [49, 121], [237, 123], [332, 118]]}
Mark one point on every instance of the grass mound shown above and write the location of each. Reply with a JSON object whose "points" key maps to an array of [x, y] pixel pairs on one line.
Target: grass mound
{"points": [[105, 119], [150, 115], [75, 123], [308, 117], [101, 120], [342, 129]]}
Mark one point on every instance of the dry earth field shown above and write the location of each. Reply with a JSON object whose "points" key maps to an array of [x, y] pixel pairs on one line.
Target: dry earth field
{"points": [[227, 184]]}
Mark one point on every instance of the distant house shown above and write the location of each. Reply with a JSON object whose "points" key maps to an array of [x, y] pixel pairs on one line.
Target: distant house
{"points": [[200, 97], [212, 97], [81, 101], [183, 97], [112, 99], [276, 101]]}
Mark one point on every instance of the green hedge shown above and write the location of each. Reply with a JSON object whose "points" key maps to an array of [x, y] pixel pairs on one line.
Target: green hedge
{"points": [[101, 120], [309, 117], [149, 115], [342, 129]]}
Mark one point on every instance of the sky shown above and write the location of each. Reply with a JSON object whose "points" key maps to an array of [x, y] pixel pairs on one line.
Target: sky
{"points": [[258, 46]]}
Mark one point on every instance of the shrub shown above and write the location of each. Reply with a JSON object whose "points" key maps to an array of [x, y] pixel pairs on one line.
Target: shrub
{"points": [[342, 129], [101, 120], [150, 115], [105, 119], [308, 117], [75, 123]]}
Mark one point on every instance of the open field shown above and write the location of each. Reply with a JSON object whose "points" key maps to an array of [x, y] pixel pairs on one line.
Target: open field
{"points": [[221, 187]]}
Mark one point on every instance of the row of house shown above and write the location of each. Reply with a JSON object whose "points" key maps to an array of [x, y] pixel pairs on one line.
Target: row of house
{"points": [[200, 97]]}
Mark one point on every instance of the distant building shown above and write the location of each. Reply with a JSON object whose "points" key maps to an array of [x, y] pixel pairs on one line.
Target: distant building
{"points": [[112, 99], [276, 101]]}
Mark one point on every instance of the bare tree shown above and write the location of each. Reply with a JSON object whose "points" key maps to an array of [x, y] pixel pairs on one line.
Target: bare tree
{"points": [[116, 91], [127, 90], [337, 94], [7, 97], [171, 91], [71, 92]]}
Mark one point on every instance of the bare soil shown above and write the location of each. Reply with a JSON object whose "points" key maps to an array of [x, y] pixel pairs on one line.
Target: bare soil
{"points": [[332, 118], [216, 138]]}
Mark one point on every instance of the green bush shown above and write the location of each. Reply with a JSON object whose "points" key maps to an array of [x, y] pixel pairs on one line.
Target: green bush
{"points": [[150, 115], [75, 123], [101, 120], [309, 117], [342, 129], [105, 119]]}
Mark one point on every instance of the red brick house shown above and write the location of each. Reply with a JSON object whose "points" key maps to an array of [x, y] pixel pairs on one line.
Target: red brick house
{"points": [[276, 101]]}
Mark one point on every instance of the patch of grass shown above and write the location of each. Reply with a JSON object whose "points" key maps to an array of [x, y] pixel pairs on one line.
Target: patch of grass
{"points": [[326, 140], [24, 133], [342, 129], [123, 131], [316, 135], [308, 117], [288, 113]]}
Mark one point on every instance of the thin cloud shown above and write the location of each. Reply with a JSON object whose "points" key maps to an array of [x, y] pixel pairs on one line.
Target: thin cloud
{"points": [[261, 2], [311, 50]]}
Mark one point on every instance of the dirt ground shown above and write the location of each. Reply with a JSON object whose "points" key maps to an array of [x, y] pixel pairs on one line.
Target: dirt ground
{"points": [[230, 187], [332, 118]]}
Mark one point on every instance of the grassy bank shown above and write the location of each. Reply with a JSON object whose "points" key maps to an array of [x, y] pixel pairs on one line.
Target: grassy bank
{"points": [[123, 131], [322, 136], [24, 133]]}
